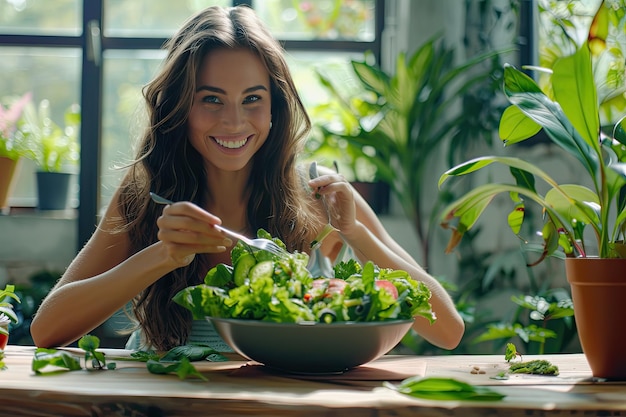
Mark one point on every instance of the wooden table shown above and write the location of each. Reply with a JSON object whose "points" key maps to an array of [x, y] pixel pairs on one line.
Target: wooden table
{"points": [[237, 388]]}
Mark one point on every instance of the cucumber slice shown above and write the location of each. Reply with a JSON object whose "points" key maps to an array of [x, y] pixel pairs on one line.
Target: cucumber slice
{"points": [[242, 268], [263, 269]]}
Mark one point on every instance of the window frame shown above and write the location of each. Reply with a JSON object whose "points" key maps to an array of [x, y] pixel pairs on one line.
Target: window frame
{"points": [[92, 44]]}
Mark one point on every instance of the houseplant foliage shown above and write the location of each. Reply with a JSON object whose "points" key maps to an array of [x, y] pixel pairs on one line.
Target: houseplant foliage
{"points": [[53, 147], [570, 118], [577, 218], [394, 127], [55, 151], [12, 145]]}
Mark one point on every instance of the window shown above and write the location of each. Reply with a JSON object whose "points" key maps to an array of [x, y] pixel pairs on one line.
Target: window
{"points": [[563, 26], [100, 53]]}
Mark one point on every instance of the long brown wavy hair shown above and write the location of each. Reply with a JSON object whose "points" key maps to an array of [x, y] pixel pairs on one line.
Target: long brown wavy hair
{"points": [[167, 164]]}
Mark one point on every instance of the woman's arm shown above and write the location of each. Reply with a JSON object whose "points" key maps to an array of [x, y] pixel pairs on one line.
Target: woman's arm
{"points": [[104, 276]]}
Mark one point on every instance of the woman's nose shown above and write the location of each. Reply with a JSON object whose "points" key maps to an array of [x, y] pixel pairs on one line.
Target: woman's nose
{"points": [[233, 116]]}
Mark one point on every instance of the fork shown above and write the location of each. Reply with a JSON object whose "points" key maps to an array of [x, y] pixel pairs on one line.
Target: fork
{"points": [[328, 228], [259, 243]]}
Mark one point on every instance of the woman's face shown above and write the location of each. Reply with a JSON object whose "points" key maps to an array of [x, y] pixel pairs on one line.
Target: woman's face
{"points": [[231, 112]]}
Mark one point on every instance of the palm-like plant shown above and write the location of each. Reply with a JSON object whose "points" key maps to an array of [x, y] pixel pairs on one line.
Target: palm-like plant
{"points": [[52, 146], [403, 118], [571, 121]]}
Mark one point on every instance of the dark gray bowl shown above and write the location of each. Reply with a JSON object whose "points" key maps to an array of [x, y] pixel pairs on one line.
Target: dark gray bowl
{"points": [[311, 348]]}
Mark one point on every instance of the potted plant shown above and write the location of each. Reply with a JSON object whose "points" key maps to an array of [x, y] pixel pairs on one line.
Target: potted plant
{"points": [[12, 148], [576, 217], [55, 151], [7, 315], [392, 128]]}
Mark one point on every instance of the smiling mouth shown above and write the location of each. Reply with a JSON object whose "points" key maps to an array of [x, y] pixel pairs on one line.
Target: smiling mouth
{"points": [[231, 144]]}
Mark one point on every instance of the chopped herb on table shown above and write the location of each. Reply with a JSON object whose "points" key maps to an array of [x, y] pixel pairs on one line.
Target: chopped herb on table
{"points": [[537, 367]]}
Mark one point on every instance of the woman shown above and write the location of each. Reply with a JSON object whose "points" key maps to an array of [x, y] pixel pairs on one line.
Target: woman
{"points": [[225, 128]]}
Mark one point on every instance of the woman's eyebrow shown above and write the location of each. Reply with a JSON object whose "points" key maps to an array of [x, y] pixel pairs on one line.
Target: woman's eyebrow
{"points": [[221, 91]]}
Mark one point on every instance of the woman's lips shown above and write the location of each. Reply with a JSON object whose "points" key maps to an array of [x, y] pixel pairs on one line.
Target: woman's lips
{"points": [[231, 142]]}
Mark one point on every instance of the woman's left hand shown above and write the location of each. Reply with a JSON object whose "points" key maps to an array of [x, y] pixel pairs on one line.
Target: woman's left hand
{"points": [[339, 199]]}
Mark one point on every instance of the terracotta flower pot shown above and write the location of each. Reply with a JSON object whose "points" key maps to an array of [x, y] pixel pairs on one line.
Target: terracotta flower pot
{"points": [[8, 167], [599, 296]]}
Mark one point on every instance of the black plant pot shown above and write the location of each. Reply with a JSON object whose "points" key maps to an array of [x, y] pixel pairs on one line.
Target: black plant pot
{"points": [[375, 193], [53, 190]]}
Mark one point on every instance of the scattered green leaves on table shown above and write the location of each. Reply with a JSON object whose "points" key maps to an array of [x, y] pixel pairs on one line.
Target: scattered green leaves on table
{"points": [[58, 359], [89, 344], [177, 360], [193, 353], [181, 367], [437, 388]]}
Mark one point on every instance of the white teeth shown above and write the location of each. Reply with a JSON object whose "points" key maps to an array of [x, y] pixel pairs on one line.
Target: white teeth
{"points": [[231, 144]]}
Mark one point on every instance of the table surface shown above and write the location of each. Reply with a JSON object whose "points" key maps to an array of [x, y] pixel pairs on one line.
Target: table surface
{"points": [[240, 388]]}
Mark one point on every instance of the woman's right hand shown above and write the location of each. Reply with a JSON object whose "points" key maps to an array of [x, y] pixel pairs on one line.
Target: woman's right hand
{"points": [[186, 229]]}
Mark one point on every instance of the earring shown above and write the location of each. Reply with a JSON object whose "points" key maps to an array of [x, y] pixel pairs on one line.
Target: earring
{"points": [[270, 124]]}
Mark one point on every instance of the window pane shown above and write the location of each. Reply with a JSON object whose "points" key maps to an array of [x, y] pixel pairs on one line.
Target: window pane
{"points": [[49, 73], [564, 26], [319, 19], [337, 66], [150, 18], [41, 17], [125, 74], [319, 102]]}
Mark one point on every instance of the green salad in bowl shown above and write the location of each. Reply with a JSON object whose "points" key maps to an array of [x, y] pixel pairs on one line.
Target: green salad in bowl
{"points": [[272, 310], [263, 286]]}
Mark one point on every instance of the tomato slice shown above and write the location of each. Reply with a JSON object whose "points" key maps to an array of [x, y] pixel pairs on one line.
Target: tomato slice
{"points": [[335, 285], [388, 286], [331, 285]]}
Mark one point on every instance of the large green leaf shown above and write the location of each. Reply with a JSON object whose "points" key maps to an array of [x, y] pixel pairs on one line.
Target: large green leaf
{"points": [[523, 92], [372, 77], [483, 161], [470, 206], [574, 89], [573, 211], [515, 126], [619, 131], [402, 85]]}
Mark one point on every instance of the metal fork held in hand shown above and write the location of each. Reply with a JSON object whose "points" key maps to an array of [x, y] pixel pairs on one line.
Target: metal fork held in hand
{"points": [[259, 243], [328, 228]]}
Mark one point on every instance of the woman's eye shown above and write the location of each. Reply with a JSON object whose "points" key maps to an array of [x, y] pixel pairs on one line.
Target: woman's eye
{"points": [[210, 99], [252, 99]]}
